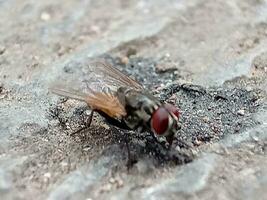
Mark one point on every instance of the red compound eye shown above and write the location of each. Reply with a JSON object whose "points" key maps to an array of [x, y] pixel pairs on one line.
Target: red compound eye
{"points": [[172, 109], [160, 120]]}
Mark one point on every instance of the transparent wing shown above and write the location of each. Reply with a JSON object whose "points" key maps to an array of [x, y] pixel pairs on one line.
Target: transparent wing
{"points": [[103, 76], [96, 76]]}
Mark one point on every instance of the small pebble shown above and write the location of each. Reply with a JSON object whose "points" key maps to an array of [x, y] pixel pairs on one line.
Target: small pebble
{"points": [[95, 29], [88, 112], [87, 148], [124, 60], [119, 183], [47, 175], [241, 112], [255, 138], [197, 142], [67, 125], [167, 55], [206, 119], [112, 180], [45, 16]]}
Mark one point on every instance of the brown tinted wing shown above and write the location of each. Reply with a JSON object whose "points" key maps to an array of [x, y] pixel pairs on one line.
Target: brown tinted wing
{"points": [[102, 101], [107, 103]]}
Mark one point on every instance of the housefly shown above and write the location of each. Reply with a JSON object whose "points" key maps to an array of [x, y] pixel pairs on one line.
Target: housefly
{"points": [[123, 102]]}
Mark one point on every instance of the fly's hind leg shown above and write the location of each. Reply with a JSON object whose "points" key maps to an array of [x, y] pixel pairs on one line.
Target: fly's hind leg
{"points": [[87, 124], [114, 125]]}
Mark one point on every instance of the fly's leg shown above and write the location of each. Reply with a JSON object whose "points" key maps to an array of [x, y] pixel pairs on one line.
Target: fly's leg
{"points": [[169, 139], [154, 137], [156, 140], [87, 125]]}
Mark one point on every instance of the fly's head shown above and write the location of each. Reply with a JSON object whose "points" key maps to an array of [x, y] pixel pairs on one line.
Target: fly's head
{"points": [[164, 121]]}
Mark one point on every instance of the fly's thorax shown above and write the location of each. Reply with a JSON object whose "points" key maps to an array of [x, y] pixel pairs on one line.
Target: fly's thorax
{"points": [[139, 106]]}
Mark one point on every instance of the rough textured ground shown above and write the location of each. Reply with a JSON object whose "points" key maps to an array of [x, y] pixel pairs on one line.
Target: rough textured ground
{"points": [[209, 57]]}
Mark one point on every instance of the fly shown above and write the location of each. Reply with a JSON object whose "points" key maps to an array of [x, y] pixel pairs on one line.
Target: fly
{"points": [[123, 102]]}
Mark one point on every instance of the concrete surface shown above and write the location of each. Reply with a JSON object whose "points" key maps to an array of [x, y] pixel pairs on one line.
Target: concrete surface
{"points": [[217, 48]]}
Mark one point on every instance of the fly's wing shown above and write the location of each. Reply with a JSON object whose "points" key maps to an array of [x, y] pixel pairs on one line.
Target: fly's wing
{"points": [[102, 75], [96, 83]]}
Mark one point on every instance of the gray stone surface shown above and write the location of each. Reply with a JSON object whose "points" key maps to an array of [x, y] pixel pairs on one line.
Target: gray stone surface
{"points": [[217, 46]]}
